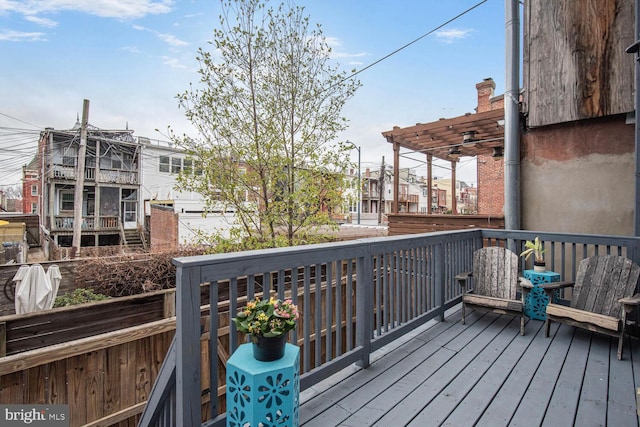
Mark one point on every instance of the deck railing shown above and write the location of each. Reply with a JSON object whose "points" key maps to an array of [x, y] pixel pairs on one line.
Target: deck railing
{"points": [[355, 297], [65, 223]]}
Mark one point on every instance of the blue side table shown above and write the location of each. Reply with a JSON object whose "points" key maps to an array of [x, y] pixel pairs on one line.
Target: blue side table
{"points": [[263, 393], [535, 305]]}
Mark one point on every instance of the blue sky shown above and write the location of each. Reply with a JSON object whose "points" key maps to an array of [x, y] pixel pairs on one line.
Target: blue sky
{"points": [[131, 57]]}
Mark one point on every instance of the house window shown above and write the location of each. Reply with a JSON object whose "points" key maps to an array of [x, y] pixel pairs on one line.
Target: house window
{"points": [[34, 208], [66, 201], [68, 161], [164, 164], [116, 161], [188, 166], [34, 190], [176, 164]]}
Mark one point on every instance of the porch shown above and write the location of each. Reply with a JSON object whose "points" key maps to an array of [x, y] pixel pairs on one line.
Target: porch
{"points": [[358, 298], [484, 374]]}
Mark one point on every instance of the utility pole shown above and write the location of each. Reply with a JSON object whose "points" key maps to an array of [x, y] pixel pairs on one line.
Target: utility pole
{"points": [[381, 194], [77, 197]]}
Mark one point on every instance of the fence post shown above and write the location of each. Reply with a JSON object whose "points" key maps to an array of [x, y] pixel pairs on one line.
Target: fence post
{"points": [[364, 307], [188, 400], [438, 277]]}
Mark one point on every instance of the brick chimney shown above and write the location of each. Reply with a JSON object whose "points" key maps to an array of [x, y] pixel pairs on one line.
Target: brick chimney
{"points": [[485, 93]]}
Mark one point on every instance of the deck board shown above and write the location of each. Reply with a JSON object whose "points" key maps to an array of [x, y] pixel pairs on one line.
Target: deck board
{"points": [[484, 373]]}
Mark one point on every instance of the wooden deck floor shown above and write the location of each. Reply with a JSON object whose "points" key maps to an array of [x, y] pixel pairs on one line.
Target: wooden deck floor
{"points": [[484, 373]]}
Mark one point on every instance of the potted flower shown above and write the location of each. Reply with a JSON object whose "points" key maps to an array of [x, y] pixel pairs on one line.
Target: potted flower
{"points": [[267, 322], [535, 248]]}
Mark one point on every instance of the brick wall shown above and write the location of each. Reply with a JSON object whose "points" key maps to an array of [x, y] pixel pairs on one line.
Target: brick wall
{"points": [[490, 170], [29, 179], [163, 224], [491, 185]]}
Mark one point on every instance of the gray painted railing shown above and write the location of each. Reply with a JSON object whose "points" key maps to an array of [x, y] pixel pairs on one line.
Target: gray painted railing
{"points": [[356, 297]]}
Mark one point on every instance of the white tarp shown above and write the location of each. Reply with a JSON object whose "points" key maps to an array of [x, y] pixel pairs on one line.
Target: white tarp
{"points": [[54, 276], [35, 290]]}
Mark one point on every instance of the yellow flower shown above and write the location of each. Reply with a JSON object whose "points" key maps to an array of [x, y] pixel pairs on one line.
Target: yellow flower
{"points": [[263, 317]]}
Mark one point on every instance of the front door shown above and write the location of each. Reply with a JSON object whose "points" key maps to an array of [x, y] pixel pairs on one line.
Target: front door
{"points": [[129, 208]]}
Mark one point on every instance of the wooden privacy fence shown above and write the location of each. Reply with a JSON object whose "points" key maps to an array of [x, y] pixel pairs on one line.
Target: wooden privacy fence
{"points": [[102, 358]]}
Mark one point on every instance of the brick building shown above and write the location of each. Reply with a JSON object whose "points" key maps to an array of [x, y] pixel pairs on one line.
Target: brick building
{"points": [[490, 167], [31, 188]]}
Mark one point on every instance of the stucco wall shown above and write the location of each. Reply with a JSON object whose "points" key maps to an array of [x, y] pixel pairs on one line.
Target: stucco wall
{"points": [[579, 177]]}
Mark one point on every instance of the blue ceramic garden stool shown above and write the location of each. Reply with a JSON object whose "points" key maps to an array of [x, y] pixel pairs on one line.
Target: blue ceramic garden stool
{"points": [[263, 393], [535, 306]]}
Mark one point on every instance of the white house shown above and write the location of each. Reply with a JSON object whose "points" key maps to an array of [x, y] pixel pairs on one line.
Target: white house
{"points": [[161, 164]]}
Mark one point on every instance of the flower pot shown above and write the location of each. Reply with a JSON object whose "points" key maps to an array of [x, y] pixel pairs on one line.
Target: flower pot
{"points": [[268, 349], [539, 267]]}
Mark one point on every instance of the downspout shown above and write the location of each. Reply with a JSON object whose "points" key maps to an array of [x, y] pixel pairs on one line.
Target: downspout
{"points": [[512, 117], [634, 48]]}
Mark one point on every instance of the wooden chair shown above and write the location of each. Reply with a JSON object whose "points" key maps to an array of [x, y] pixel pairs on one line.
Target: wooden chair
{"points": [[495, 283], [602, 297]]}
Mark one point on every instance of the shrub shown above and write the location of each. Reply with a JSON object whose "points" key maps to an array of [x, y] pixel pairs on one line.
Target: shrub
{"points": [[78, 296]]}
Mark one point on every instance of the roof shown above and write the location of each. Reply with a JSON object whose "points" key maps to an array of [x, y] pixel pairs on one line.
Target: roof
{"points": [[438, 138]]}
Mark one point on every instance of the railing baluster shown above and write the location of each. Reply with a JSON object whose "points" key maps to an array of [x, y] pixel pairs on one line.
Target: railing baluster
{"points": [[339, 267], [364, 301], [378, 288], [329, 311], [233, 312], [213, 347], [318, 314], [294, 298], [306, 331], [349, 304]]}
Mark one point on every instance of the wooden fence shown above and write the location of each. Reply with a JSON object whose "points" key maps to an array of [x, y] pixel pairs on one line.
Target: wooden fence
{"points": [[102, 358], [406, 223]]}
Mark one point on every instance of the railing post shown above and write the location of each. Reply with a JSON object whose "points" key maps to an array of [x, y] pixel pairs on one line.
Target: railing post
{"points": [[188, 400], [438, 277], [364, 307]]}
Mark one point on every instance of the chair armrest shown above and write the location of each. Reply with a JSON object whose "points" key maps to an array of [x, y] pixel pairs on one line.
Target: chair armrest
{"points": [[463, 277], [629, 302], [556, 285], [550, 288], [525, 283]]}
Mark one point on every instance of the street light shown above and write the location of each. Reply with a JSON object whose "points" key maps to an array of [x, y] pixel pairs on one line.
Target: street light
{"points": [[359, 181]]}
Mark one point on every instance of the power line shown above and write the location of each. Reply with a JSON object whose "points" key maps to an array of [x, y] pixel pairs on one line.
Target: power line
{"points": [[21, 121], [416, 40]]}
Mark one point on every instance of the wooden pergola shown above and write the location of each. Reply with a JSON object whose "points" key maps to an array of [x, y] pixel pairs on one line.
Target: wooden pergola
{"points": [[448, 139]]}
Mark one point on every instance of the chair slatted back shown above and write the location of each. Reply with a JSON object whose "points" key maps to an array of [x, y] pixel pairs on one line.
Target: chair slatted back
{"points": [[495, 272], [601, 281]]}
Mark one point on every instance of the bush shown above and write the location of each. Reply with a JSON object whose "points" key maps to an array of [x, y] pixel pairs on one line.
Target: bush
{"points": [[78, 296]]}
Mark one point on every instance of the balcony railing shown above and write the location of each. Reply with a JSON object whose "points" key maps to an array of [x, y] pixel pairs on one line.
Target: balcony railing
{"points": [[355, 297], [65, 223], [106, 175], [408, 198], [118, 176]]}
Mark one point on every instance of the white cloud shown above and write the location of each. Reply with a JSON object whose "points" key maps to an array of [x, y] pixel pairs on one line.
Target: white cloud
{"points": [[337, 51], [120, 9], [173, 63], [451, 35], [43, 22], [169, 39], [19, 36], [172, 40]]}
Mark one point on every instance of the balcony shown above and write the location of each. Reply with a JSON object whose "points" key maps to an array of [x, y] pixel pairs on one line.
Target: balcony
{"points": [[408, 198], [361, 299], [105, 223], [117, 176]]}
